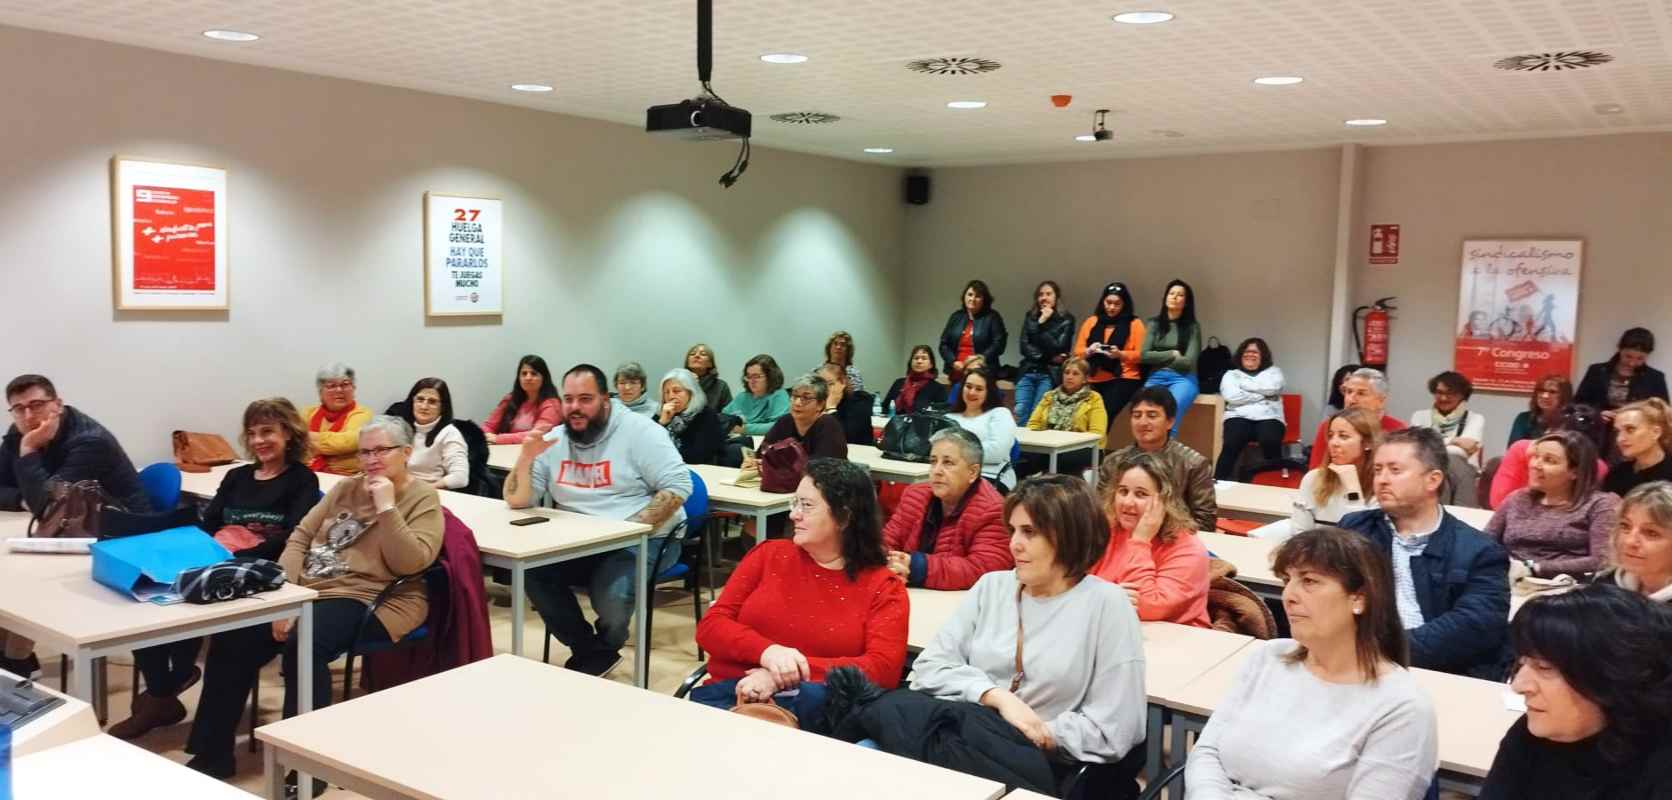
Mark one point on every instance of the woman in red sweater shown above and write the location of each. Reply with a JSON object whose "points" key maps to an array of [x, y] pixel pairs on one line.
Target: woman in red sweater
{"points": [[795, 609], [1153, 550], [531, 403]]}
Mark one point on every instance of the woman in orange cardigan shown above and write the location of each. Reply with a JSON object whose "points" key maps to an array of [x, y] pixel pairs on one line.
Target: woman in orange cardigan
{"points": [[1153, 550], [1110, 341]]}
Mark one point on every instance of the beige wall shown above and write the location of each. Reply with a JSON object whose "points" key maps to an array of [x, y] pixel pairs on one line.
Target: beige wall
{"points": [[617, 245], [1611, 191], [1253, 233]]}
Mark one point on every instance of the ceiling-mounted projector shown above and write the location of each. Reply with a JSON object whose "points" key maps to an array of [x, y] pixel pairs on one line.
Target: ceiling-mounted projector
{"points": [[702, 119], [706, 117]]}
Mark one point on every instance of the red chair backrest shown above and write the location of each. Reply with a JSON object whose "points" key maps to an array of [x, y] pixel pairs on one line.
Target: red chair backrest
{"points": [[1291, 418]]}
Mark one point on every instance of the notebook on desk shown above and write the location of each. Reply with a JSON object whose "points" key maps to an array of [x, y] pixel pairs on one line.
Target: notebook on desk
{"points": [[21, 702]]}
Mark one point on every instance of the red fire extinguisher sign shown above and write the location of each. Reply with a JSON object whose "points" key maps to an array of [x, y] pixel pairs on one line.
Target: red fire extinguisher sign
{"points": [[1384, 244]]}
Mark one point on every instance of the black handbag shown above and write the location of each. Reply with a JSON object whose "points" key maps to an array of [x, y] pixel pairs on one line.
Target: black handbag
{"points": [[906, 438]]}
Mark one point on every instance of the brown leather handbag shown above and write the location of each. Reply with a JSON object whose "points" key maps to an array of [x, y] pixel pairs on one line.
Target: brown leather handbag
{"points": [[197, 452], [72, 510]]}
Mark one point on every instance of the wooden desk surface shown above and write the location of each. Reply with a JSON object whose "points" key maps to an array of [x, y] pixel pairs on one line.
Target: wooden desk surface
{"points": [[1472, 719], [576, 736], [1054, 440], [1175, 655], [70, 722], [1278, 502], [887, 468], [104, 766], [53, 600], [720, 488], [1251, 556], [930, 609]]}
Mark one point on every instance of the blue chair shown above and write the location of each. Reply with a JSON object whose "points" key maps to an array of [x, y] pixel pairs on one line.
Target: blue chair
{"points": [[162, 485], [687, 533]]}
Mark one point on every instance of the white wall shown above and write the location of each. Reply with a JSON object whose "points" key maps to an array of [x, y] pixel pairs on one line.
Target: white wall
{"points": [[1253, 233], [1615, 192], [618, 245]]}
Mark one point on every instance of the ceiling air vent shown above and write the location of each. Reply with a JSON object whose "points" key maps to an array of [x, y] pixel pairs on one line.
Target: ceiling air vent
{"points": [[805, 118], [1554, 62], [962, 65]]}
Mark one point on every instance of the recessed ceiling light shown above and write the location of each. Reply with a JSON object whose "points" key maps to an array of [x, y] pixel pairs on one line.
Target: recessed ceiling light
{"points": [[531, 87], [879, 150], [967, 104], [1142, 17], [783, 58], [1279, 80], [231, 36], [1369, 122], [1085, 137], [1609, 108]]}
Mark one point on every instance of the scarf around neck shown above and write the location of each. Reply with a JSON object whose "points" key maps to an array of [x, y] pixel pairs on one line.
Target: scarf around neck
{"points": [[318, 422], [1449, 425], [1060, 416], [914, 382]]}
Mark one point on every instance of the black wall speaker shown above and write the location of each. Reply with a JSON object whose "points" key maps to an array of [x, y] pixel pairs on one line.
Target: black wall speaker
{"points": [[917, 190]]}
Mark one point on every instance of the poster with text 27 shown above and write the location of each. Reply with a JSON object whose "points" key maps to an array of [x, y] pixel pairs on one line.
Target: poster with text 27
{"points": [[174, 239], [1518, 311]]}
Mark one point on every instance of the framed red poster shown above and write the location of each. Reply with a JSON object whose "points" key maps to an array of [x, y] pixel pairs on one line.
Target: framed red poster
{"points": [[169, 236], [1518, 311]]}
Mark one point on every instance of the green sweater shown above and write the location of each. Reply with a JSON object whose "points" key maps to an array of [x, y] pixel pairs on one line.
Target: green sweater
{"points": [[758, 413], [1158, 349]]}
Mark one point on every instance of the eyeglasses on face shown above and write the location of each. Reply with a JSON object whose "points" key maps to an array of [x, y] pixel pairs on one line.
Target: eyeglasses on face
{"points": [[32, 407], [374, 453]]}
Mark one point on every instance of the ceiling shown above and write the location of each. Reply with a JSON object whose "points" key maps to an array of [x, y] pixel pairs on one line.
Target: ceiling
{"points": [[1183, 86]]}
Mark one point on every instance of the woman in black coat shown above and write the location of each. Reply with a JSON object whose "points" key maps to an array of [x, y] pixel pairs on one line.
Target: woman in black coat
{"points": [[1047, 338], [983, 327], [696, 429], [1625, 378]]}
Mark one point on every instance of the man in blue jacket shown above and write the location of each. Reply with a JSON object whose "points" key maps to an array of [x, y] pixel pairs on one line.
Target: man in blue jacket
{"points": [[1452, 583]]}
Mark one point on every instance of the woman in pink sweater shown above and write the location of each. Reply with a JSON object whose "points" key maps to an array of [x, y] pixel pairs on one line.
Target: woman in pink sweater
{"points": [[1153, 550], [532, 403]]}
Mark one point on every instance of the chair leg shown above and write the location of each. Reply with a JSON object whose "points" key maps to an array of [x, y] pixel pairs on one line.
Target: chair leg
{"points": [[63, 674], [546, 653], [348, 677], [136, 678], [255, 707]]}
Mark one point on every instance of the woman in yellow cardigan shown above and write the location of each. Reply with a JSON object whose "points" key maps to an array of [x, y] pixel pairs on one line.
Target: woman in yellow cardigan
{"points": [[1072, 406], [334, 423]]}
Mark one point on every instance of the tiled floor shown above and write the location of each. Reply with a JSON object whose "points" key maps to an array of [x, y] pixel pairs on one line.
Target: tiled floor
{"points": [[672, 656]]}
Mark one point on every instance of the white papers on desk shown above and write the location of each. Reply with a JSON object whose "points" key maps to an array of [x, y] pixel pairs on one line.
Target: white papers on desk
{"points": [[63, 546]]}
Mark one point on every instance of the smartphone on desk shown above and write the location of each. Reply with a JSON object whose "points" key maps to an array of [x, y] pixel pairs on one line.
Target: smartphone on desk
{"points": [[520, 521]]}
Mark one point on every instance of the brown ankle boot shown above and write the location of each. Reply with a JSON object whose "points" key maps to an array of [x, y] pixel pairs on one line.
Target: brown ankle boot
{"points": [[149, 711]]}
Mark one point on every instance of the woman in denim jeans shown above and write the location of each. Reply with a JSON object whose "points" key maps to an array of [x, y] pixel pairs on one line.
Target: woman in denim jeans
{"points": [[1047, 336], [1172, 343]]}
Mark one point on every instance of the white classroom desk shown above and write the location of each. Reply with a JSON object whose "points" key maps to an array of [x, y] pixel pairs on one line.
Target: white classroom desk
{"points": [[381, 745], [519, 549], [1271, 503], [72, 721], [105, 766], [1471, 717], [725, 495], [887, 469], [53, 600], [1251, 557], [1055, 443]]}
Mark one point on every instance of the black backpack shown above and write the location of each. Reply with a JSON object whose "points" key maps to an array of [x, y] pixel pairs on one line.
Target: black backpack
{"points": [[906, 438], [1211, 366]]}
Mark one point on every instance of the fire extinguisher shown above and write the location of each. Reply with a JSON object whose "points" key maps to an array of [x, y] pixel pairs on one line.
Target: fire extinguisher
{"points": [[1373, 346]]}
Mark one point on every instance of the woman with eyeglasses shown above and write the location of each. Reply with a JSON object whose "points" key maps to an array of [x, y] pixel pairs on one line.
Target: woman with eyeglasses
{"points": [[334, 423], [763, 399], [440, 453], [700, 361], [797, 608], [1552, 394], [367, 532]]}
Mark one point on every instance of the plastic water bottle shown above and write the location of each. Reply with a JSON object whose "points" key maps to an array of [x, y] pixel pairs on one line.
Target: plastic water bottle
{"points": [[5, 761]]}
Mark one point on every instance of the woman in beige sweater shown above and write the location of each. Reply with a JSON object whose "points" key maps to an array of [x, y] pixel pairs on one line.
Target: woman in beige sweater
{"points": [[368, 531]]}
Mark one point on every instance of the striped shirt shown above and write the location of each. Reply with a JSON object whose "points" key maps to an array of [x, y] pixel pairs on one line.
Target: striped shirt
{"points": [[1405, 548]]}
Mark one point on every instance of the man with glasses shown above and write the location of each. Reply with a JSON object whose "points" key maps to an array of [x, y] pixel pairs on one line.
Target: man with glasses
{"points": [[604, 462], [334, 424], [48, 442]]}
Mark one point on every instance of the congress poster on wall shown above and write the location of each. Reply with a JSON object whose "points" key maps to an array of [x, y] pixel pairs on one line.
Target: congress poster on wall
{"points": [[463, 255], [1518, 310], [169, 236]]}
